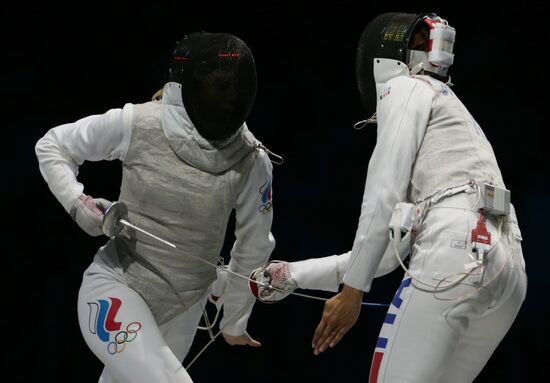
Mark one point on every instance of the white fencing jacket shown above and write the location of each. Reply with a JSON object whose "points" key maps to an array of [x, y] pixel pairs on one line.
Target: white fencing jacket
{"points": [[426, 141]]}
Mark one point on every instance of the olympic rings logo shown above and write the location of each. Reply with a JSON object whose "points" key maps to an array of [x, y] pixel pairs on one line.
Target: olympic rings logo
{"points": [[123, 337], [265, 192], [265, 208]]}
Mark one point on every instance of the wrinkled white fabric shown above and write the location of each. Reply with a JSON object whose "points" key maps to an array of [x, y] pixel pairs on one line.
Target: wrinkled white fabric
{"points": [[426, 141]]}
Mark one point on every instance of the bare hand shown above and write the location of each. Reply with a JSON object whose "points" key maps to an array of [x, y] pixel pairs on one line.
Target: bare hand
{"points": [[241, 340], [339, 315]]}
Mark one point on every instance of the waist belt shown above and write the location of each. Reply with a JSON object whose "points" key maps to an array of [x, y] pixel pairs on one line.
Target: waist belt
{"points": [[491, 199]]}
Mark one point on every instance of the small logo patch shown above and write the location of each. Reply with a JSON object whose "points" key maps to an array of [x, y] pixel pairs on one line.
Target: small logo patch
{"points": [[101, 322], [265, 192], [385, 93], [458, 244]]}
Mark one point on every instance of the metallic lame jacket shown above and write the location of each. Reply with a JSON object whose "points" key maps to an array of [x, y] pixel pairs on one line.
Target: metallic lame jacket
{"points": [[178, 186], [427, 141], [185, 198]]}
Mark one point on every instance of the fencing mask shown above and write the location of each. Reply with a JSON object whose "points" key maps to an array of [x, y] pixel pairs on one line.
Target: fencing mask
{"points": [[218, 78], [397, 43]]}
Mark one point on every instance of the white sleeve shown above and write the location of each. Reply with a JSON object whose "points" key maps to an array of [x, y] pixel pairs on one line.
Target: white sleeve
{"points": [[403, 112], [64, 148], [253, 244]]}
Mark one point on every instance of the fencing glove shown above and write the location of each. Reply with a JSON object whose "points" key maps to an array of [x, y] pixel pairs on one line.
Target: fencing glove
{"points": [[88, 214]]}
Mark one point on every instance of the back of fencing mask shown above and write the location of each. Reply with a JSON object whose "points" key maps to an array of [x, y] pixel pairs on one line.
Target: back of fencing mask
{"points": [[218, 78], [396, 43]]}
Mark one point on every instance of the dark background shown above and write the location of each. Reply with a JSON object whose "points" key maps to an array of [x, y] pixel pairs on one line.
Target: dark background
{"points": [[66, 60]]}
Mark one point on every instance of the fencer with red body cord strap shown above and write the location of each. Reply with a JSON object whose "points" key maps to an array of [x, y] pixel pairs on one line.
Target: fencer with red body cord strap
{"points": [[466, 279], [428, 143]]}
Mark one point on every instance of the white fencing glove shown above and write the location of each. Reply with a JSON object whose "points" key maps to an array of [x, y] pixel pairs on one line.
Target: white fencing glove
{"points": [[88, 214], [273, 282]]}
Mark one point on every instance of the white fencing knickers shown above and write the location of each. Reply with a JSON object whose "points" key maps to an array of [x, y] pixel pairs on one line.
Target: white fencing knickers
{"points": [[119, 328], [447, 335]]}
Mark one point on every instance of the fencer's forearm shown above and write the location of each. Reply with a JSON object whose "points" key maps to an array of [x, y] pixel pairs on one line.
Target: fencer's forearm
{"points": [[238, 301], [237, 297], [64, 148], [253, 244], [237, 306], [327, 273], [324, 273], [58, 169]]}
